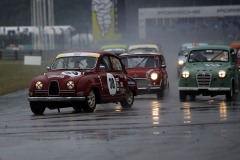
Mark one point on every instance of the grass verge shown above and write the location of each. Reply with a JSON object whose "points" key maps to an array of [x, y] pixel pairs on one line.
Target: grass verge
{"points": [[15, 76]]}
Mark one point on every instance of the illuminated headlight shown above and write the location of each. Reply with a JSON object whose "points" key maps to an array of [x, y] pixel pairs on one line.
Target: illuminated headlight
{"points": [[222, 73], [70, 84], [154, 76], [180, 62], [38, 85], [185, 74]]}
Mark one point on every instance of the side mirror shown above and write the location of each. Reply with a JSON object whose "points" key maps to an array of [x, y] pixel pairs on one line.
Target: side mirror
{"points": [[163, 66], [48, 68], [102, 67]]}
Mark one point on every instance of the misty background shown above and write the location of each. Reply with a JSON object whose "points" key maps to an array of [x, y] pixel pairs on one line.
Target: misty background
{"points": [[77, 14]]}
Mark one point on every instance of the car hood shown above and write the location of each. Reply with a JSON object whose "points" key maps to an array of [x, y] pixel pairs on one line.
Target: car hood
{"points": [[139, 72], [61, 75]]}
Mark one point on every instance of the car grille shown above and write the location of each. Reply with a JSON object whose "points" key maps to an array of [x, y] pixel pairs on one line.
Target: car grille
{"points": [[143, 83], [53, 89], [204, 79]]}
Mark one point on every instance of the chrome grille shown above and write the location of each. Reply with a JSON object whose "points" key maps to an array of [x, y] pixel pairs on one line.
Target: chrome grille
{"points": [[143, 83], [204, 79], [53, 89]]}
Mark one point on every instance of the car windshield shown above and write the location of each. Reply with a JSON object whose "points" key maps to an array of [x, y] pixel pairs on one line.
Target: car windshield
{"points": [[75, 62], [143, 50], [209, 56], [140, 62]]}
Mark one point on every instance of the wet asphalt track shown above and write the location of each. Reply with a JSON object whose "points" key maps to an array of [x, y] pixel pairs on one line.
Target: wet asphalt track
{"points": [[206, 129]]}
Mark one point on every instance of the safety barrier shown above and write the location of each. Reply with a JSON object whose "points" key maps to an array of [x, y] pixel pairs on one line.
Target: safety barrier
{"points": [[18, 54]]}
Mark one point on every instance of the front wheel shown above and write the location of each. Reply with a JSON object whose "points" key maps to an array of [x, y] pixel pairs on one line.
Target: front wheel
{"points": [[160, 93], [182, 96], [36, 108], [229, 94], [77, 109], [128, 101], [90, 104]]}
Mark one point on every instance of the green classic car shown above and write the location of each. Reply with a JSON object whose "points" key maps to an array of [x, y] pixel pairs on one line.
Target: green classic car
{"points": [[209, 71]]}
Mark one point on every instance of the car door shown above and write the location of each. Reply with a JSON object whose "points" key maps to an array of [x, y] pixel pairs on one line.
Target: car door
{"points": [[104, 68], [118, 81]]}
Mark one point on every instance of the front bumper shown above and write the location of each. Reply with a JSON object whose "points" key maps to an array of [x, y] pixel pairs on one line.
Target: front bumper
{"points": [[56, 99], [150, 87], [204, 88]]}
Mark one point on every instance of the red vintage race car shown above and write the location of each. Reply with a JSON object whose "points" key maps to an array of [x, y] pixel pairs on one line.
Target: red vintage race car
{"points": [[236, 46], [81, 80], [149, 70]]}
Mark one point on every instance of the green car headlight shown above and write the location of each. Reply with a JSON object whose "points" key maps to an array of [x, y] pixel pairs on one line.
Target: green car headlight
{"points": [[185, 74], [180, 62], [222, 73]]}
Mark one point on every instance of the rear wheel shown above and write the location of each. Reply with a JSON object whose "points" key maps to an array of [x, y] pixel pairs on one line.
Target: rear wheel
{"points": [[128, 101], [90, 104], [182, 96], [36, 108]]}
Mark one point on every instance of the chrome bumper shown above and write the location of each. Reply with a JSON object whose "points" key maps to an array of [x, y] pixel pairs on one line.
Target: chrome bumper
{"points": [[209, 89], [56, 99]]}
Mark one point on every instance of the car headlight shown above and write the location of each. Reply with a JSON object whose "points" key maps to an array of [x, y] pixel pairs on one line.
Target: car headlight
{"points": [[222, 73], [180, 62], [154, 76], [38, 85], [70, 84], [185, 74]]}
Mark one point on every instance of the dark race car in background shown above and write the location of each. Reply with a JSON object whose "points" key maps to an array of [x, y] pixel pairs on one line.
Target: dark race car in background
{"points": [[183, 53], [115, 48]]}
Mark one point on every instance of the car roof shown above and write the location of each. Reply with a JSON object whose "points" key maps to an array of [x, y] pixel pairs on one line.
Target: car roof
{"points": [[140, 54], [235, 45], [191, 45], [223, 47], [113, 46], [95, 54], [143, 46]]}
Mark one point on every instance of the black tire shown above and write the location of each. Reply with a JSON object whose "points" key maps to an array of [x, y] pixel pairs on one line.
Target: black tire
{"points": [[230, 94], [90, 104], [193, 97], [182, 96], [160, 93], [77, 109], [36, 108], [128, 101]]}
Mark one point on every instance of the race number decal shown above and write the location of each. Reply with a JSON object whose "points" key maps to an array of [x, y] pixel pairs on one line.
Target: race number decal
{"points": [[112, 86]]}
